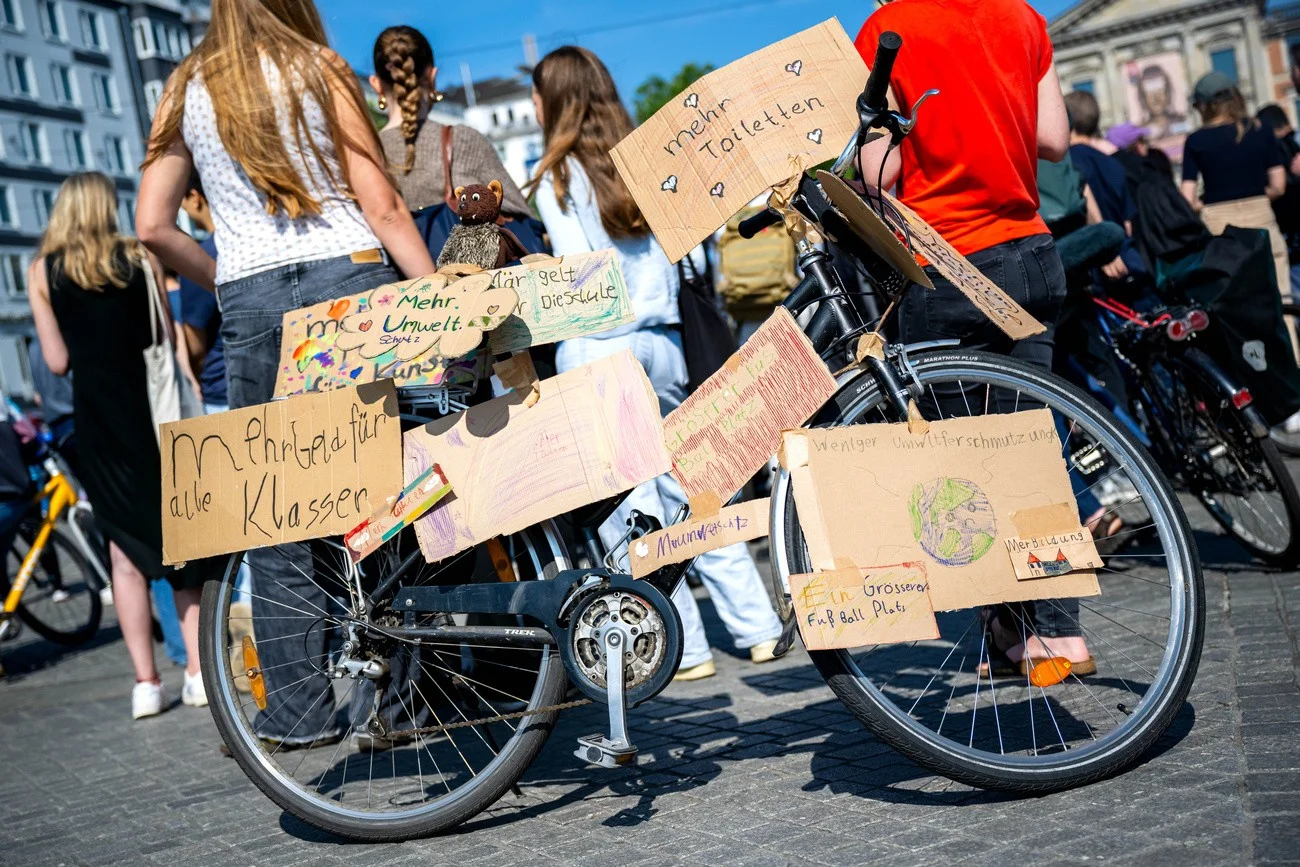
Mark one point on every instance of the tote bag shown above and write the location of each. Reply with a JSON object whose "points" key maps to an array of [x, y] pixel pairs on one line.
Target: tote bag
{"points": [[707, 339], [170, 397]]}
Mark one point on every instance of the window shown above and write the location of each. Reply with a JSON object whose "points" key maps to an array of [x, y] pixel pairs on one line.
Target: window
{"points": [[174, 43], [32, 136], [144, 42], [126, 215], [105, 93], [186, 44], [495, 120], [92, 30], [8, 215], [52, 20], [1084, 86], [22, 81], [115, 154], [1225, 61], [65, 84], [11, 15], [44, 201], [75, 142], [13, 275], [153, 91]]}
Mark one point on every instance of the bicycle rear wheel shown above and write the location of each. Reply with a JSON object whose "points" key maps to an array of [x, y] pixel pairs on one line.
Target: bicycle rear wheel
{"points": [[452, 735], [60, 601], [1241, 480], [930, 699]]}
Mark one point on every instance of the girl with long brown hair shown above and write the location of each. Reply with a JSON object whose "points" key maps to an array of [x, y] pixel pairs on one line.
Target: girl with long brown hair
{"points": [[90, 301], [275, 125], [1240, 164], [428, 159], [586, 206]]}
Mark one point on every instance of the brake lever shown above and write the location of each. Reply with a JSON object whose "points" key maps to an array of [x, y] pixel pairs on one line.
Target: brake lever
{"points": [[898, 126]]}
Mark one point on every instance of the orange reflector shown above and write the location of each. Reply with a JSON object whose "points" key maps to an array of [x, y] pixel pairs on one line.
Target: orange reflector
{"points": [[500, 562], [253, 671], [1050, 672]]}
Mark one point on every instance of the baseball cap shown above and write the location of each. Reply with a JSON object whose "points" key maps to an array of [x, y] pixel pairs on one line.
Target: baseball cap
{"points": [[1211, 85], [1125, 135]]}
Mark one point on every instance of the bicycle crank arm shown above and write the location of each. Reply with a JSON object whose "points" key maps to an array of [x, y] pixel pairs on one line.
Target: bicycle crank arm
{"points": [[543, 600], [617, 749]]}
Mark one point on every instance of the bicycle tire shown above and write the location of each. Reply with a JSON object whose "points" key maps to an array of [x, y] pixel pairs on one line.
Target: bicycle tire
{"points": [[1250, 455], [1288, 443], [1044, 771], [39, 614], [257, 762]]}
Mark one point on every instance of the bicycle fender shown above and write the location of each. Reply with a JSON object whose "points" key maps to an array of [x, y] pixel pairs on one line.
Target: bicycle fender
{"points": [[1227, 388]]}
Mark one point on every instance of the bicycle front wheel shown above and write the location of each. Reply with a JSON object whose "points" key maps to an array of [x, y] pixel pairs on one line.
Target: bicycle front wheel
{"points": [[439, 736], [60, 602], [945, 703]]}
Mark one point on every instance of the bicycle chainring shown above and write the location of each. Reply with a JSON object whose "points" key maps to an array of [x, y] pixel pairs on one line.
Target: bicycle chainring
{"points": [[649, 662]]}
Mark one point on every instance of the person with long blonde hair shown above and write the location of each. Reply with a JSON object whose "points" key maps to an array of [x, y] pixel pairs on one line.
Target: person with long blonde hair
{"points": [[90, 301], [586, 206], [304, 211]]}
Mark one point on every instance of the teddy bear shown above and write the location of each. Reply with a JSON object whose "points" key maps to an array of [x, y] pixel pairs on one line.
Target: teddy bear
{"points": [[477, 239]]}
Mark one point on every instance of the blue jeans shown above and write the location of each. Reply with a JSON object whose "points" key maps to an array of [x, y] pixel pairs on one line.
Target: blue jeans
{"points": [[729, 574], [164, 607], [1030, 271], [286, 597]]}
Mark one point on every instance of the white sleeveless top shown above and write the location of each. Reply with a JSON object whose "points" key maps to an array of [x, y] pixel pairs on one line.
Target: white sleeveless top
{"points": [[249, 240]]}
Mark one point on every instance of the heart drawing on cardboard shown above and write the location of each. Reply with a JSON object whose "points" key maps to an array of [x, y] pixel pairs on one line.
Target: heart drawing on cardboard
{"points": [[670, 184], [717, 190], [796, 67], [428, 316], [691, 101]]}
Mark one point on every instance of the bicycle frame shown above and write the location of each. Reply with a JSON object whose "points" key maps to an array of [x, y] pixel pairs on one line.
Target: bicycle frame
{"points": [[58, 495]]}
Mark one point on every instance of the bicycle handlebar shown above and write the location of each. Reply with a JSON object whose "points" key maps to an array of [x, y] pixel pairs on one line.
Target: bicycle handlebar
{"points": [[875, 96], [752, 226]]}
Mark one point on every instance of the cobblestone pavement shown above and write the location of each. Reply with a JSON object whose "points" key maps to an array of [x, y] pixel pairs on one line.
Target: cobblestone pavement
{"points": [[759, 765]]}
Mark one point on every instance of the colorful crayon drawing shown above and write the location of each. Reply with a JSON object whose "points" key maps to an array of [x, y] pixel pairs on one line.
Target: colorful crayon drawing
{"points": [[560, 298], [416, 498], [311, 359], [953, 520]]}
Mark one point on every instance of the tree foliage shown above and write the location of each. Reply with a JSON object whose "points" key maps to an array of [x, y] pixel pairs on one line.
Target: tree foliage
{"points": [[655, 91]]}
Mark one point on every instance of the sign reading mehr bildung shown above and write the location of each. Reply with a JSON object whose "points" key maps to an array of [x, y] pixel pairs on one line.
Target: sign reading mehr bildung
{"points": [[734, 133]]}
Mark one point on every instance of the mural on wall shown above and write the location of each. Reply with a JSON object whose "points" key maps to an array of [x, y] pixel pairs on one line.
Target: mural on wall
{"points": [[1156, 96]]}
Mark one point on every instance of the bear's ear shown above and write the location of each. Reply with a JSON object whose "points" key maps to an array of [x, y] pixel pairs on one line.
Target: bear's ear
{"points": [[456, 192], [495, 186]]}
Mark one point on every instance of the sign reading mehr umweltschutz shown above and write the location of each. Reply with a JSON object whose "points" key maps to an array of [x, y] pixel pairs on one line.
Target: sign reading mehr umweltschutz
{"points": [[734, 133]]}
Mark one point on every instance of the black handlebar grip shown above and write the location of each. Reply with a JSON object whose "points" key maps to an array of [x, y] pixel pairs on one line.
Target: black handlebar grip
{"points": [[876, 94], [757, 223]]}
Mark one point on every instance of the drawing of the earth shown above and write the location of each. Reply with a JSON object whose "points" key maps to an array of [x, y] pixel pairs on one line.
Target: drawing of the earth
{"points": [[953, 521]]}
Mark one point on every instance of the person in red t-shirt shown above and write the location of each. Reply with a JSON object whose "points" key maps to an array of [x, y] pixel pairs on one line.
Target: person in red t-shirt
{"points": [[969, 169]]}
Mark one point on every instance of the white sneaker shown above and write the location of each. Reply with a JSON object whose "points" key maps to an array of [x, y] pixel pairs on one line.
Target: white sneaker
{"points": [[1292, 424], [193, 693], [147, 699], [106, 597], [60, 595]]}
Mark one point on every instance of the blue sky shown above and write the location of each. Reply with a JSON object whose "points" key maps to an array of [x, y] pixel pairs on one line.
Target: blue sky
{"points": [[635, 40]]}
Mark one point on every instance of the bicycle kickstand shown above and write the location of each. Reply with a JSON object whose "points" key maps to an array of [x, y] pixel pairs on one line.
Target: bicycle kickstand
{"points": [[616, 750]]}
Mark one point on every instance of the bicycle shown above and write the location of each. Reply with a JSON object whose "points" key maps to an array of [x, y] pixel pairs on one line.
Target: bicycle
{"points": [[1202, 426], [454, 672], [57, 585]]}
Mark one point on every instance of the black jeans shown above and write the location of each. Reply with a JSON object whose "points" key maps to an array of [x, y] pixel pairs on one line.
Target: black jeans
{"points": [[1028, 270]]}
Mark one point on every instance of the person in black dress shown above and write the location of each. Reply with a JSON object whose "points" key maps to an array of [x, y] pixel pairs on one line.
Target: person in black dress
{"points": [[90, 302]]}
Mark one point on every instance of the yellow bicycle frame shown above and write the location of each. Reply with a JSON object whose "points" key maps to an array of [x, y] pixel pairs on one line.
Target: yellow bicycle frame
{"points": [[61, 496]]}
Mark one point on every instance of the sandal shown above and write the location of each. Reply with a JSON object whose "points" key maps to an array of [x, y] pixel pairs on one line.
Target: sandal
{"points": [[1105, 537], [1003, 666]]}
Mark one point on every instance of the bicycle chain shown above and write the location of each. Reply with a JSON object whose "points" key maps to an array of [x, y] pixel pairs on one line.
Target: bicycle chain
{"points": [[439, 729]]}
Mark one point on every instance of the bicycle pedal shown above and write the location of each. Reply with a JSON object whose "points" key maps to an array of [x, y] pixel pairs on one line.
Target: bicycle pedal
{"points": [[599, 750]]}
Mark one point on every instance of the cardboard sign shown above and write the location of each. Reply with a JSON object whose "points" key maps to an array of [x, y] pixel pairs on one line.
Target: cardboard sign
{"points": [[430, 316], [848, 608], [570, 296], [594, 432], [302, 468], [944, 498], [416, 498], [735, 132], [312, 358], [1052, 542], [724, 432], [982, 292], [689, 539]]}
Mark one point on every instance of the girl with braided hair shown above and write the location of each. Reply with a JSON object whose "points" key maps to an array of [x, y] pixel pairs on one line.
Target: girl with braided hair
{"points": [[428, 159]]}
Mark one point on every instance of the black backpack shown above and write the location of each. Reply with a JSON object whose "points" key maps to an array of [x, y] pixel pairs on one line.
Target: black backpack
{"points": [[707, 340]]}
